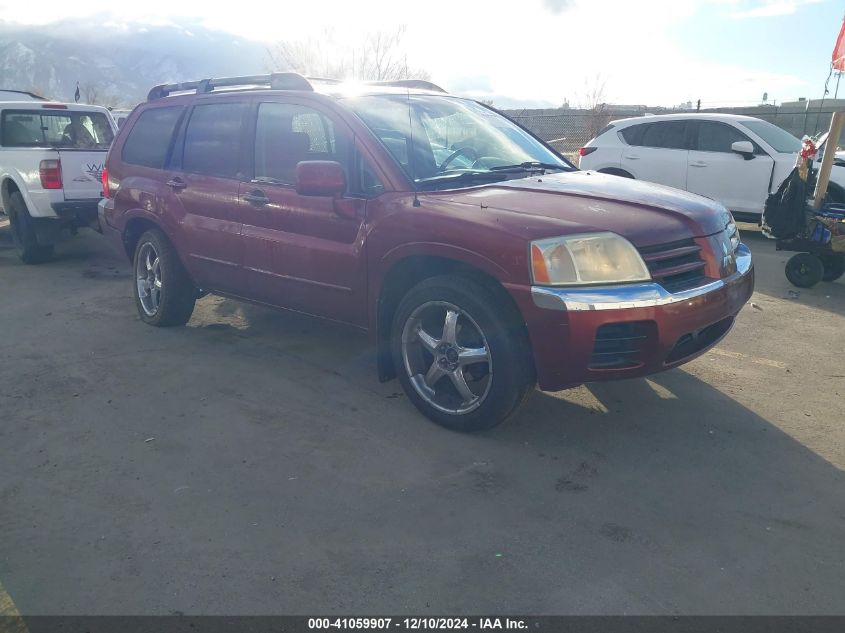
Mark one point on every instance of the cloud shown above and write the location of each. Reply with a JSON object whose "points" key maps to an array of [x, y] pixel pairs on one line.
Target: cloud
{"points": [[558, 6], [772, 8]]}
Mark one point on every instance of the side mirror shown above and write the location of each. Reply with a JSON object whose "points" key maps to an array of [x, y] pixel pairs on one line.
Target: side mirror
{"points": [[320, 178], [745, 148], [326, 178]]}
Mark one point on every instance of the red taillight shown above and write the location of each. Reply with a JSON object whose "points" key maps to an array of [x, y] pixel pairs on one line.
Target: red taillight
{"points": [[51, 174], [54, 106], [105, 179], [586, 150]]}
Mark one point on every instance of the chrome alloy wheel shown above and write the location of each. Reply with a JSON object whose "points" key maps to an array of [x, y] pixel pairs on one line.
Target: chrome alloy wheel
{"points": [[148, 274], [447, 357]]}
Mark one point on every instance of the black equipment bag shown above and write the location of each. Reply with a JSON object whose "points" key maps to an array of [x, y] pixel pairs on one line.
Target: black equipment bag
{"points": [[785, 213]]}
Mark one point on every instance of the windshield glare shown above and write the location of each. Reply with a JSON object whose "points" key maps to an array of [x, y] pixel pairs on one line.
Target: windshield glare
{"points": [[779, 139], [433, 136]]}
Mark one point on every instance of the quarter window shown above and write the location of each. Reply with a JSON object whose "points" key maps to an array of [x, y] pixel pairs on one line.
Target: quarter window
{"points": [[150, 137], [666, 134], [633, 134], [213, 140]]}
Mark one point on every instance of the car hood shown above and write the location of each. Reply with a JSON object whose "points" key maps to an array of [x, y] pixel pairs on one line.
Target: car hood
{"points": [[579, 201]]}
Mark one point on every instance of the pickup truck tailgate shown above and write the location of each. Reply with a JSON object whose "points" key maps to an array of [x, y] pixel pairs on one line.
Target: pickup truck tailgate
{"points": [[81, 173]]}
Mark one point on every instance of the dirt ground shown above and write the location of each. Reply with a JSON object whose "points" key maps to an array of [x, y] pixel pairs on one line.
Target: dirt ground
{"points": [[251, 463]]}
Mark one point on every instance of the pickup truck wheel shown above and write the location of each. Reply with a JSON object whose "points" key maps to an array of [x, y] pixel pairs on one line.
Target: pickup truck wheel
{"points": [[164, 294], [460, 361], [24, 233]]}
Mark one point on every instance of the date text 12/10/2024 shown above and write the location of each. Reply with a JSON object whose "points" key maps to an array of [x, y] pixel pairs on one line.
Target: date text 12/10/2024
{"points": [[417, 624]]}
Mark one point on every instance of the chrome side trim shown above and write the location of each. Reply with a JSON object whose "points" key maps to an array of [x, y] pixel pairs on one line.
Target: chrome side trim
{"points": [[642, 295]]}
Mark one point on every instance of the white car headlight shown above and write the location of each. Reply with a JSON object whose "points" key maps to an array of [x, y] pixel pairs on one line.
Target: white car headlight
{"points": [[586, 258]]}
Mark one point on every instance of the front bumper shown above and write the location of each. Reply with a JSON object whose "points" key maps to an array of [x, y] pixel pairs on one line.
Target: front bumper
{"points": [[602, 333]]}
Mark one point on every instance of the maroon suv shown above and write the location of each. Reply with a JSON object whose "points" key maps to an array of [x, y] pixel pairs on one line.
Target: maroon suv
{"points": [[478, 259]]}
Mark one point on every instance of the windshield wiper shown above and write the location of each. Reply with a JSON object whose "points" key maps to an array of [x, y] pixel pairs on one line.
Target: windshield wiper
{"points": [[529, 166], [463, 176]]}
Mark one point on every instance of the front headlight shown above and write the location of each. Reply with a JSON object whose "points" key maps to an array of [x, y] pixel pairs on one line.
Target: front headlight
{"points": [[588, 258]]}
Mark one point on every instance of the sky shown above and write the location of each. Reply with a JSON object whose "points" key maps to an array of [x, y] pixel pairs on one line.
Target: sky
{"points": [[545, 52]]}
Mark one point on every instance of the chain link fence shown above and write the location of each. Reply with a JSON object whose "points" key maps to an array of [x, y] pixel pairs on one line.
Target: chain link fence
{"points": [[564, 130]]}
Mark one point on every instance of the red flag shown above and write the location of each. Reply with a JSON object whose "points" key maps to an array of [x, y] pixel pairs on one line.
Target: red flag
{"points": [[838, 59]]}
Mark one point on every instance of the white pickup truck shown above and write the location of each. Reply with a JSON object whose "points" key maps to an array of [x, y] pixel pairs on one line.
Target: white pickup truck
{"points": [[51, 161]]}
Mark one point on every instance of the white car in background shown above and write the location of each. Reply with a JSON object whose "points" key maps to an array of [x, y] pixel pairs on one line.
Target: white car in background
{"points": [[736, 160]]}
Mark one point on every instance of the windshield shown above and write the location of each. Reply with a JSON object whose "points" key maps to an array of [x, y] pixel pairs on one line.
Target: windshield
{"points": [[779, 139], [62, 129], [439, 139]]}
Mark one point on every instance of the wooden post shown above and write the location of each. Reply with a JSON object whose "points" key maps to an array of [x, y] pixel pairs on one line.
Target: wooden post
{"points": [[823, 178]]}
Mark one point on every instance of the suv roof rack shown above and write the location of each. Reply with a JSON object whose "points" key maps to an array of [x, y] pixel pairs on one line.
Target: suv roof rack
{"points": [[277, 81], [417, 84], [274, 81]]}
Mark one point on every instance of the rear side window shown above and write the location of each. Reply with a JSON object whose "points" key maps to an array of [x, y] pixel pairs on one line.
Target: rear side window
{"points": [[149, 139], [718, 137], [633, 134], [665, 134], [61, 129], [213, 140]]}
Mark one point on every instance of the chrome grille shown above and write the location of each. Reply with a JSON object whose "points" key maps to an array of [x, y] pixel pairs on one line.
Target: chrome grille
{"points": [[675, 265]]}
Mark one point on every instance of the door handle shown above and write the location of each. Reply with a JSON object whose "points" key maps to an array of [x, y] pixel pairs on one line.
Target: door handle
{"points": [[176, 183], [632, 158], [698, 164], [256, 198]]}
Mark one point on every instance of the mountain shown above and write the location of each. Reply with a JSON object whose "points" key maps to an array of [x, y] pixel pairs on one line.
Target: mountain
{"points": [[119, 62]]}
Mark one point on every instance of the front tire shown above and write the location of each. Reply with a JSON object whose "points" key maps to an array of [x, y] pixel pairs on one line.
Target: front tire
{"points": [[24, 233], [460, 359], [164, 294]]}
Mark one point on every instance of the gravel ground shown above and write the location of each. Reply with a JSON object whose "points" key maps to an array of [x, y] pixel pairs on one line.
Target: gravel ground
{"points": [[251, 463]]}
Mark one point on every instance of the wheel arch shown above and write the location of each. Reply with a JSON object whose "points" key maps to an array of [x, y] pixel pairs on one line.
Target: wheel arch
{"points": [[9, 186], [134, 228], [411, 270]]}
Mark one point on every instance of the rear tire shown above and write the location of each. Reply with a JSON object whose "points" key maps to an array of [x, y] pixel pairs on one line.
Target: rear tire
{"points": [[469, 376], [804, 270], [164, 293], [24, 233]]}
